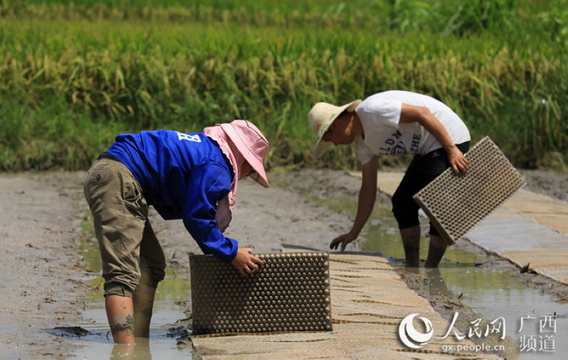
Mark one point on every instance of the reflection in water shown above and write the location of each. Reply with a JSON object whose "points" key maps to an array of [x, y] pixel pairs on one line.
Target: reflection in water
{"points": [[492, 292], [165, 330], [436, 283], [169, 320], [487, 291], [140, 350]]}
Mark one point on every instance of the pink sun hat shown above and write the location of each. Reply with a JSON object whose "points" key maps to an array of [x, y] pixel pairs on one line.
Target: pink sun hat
{"points": [[252, 144]]}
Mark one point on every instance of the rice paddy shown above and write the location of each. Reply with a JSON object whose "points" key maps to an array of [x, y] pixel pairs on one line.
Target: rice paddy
{"points": [[75, 74]]}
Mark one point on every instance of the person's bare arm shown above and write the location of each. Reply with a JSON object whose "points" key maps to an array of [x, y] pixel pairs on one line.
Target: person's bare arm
{"points": [[367, 197], [424, 117]]}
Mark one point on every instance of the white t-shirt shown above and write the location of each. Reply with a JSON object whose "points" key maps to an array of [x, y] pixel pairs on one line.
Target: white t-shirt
{"points": [[380, 115]]}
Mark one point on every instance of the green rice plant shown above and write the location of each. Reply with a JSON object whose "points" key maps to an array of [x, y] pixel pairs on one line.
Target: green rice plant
{"points": [[555, 23], [83, 73], [410, 15], [50, 138], [467, 16]]}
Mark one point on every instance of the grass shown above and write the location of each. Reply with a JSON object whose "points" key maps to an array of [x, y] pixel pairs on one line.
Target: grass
{"points": [[74, 74]]}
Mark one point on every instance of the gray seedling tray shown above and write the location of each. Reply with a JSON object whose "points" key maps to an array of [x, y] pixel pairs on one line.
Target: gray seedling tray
{"points": [[290, 292], [455, 204]]}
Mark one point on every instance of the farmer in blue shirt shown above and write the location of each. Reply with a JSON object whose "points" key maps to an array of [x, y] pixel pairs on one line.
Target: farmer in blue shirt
{"points": [[192, 177]]}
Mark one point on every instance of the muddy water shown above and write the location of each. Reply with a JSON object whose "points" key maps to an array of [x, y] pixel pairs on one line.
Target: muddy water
{"points": [[482, 285], [485, 287], [168, 334]]}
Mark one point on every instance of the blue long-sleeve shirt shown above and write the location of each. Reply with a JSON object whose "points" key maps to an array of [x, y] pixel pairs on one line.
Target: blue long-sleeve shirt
{"points": [[183, 176]]}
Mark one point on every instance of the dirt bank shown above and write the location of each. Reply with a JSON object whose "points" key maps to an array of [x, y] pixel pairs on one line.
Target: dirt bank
{"points": [[548, 183], [43, 279]]}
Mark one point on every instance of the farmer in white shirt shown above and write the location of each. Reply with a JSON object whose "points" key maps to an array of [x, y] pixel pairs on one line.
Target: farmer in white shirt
{"points": [[395, 123]]}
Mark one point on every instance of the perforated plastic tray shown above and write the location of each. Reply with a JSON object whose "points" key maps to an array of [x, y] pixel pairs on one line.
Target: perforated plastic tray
{"points": [[290, 292], [455, 204]]}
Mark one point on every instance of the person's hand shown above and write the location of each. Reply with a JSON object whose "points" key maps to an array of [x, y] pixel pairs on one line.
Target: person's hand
{"points": [[457, 160], [343, 240], [246, 262]]}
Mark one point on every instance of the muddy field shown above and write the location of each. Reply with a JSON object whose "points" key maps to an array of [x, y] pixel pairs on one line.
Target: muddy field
{"points": [[43, 277]]}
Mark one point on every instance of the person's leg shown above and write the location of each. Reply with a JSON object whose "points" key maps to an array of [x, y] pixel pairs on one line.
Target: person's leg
{"points": [[437, 165], [152, 270], [411, 242], [120, 314], [143, 304], [436, 251], [119, 213], [405, 211], [421, 171]]}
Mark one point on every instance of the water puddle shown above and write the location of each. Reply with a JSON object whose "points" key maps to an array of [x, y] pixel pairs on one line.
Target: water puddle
{"points": [[487, 287], [168, 334]]}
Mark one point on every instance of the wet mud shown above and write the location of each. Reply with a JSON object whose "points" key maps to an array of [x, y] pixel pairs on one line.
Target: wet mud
{"points": [[47, 283], [512, 291]]}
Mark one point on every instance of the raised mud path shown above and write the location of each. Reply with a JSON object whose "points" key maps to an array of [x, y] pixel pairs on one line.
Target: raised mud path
{"points": [[368, 301], [43, 280], [528, 229]]}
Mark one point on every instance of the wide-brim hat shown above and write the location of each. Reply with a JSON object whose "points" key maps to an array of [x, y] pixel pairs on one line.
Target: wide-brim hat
{"points": [[252, 144], [321, 116]]}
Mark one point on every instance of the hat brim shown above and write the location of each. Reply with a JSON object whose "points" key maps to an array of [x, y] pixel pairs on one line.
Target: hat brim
{"points": [[260, 176], [331, 114]]}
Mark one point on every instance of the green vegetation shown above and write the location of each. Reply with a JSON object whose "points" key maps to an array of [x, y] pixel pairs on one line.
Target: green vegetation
{"points": [[73, 74]]}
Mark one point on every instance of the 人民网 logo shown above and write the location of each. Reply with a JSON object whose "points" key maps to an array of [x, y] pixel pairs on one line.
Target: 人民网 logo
{"points": [[411, 337]]}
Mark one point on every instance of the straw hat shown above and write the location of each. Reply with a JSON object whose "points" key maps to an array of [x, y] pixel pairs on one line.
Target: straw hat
{"points": [[251, 143], [321, 116]]}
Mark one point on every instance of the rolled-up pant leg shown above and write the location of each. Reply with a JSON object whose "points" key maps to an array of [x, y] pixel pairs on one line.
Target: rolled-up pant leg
{"points": [[421, 171], [152, 259], [126, 240]]}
